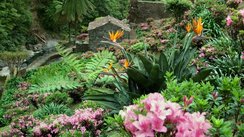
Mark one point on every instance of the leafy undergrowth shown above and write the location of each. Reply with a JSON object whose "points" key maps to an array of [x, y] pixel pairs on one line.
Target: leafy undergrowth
{"points": [[182, 76]]}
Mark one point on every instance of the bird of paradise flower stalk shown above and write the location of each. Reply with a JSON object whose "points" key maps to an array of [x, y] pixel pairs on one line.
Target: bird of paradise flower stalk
{"points": [[197, 26], [188, 27], [126, 64], [109, 67], [114, 36]]}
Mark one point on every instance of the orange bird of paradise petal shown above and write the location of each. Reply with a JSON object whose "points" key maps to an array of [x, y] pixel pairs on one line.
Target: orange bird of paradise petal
{"points": [[109, 67], [188, 27], [197, 26], [115, 36], [126, 64]]}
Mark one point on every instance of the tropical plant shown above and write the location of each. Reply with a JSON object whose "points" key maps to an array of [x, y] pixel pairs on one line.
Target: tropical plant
{"points": [[50, 109], [49, 14], [114, 100], [74, 10], [147, 73]]}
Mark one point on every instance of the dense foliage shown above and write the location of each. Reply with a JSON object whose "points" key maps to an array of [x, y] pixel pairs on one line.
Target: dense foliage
{"points": [[180, 76], [14, 25]]}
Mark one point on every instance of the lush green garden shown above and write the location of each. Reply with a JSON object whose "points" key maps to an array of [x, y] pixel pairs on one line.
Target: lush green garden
{"points": [[181, 76]]}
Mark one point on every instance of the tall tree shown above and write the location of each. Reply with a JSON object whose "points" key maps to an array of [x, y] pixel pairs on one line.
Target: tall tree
{"points": [[74, 10]]}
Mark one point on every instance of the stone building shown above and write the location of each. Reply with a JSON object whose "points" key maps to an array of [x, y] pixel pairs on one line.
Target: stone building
{"points": [[98, 30]]}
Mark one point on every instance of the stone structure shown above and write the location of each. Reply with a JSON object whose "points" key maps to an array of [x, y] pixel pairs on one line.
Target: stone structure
{"points": [[140, 11], [98, 30]]}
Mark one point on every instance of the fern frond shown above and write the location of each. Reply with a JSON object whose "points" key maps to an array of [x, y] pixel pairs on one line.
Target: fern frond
{"points": [[54, 83], [71, 59], [97, 63]]}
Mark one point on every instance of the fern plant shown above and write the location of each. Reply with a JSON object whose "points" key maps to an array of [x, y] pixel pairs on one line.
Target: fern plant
{"points": [[52, 78], [54, 83], [71, 59], [96, 65], [87, 70]]}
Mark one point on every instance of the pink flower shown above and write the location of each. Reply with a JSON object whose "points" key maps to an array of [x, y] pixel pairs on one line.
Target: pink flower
{"points": [[201, 55], [242, 12], [176, 114], [155, 115], [157, 123], [242, 56], [153, 97], [194, 125], [83, 130], [144, 127], [228, 20]]}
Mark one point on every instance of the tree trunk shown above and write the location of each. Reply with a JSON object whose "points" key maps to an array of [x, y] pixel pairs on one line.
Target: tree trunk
{"points": [[69, 32], [75, 30]]}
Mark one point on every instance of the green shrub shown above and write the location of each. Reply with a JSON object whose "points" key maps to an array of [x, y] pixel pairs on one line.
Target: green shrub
{"points": [[175, 91], [138, 47], [51, 109], [59, 98], [178, 7], [15, 22], [10, 89], [228, 65], [75, 133], [3, 121]]}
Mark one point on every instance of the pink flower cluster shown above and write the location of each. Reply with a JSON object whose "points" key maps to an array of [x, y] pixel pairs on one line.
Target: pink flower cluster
{"points": [[157, 116], [229, 21], [242, 55], [20, 127], [83, 120]]}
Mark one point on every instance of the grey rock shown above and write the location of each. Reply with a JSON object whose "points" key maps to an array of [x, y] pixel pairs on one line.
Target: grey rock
{"points": [[98, 30]]}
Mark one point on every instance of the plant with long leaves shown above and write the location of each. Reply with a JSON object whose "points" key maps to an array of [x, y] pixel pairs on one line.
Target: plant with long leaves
{"points": [[147, 73]]}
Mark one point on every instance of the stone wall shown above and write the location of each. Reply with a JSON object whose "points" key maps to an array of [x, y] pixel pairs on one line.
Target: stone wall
{"points": [[141, 10]]}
